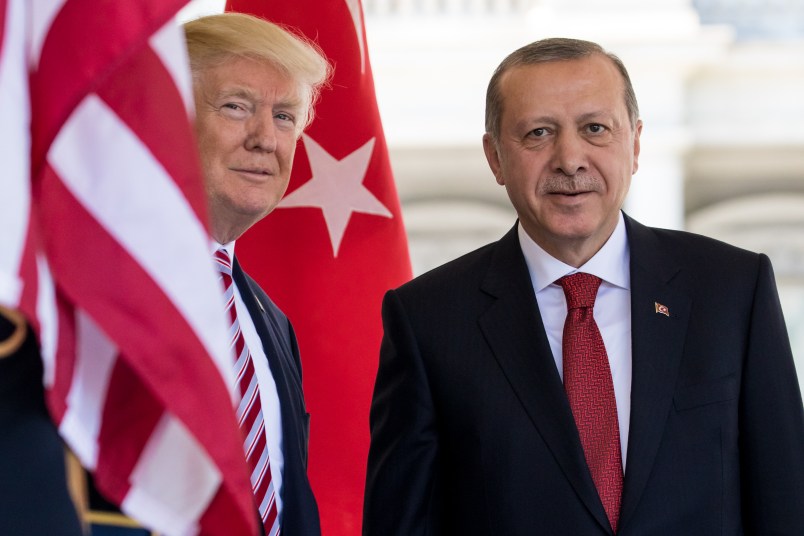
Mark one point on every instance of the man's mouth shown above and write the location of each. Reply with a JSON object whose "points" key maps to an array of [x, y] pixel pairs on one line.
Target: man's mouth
{"points": [[572, 193], [253, 171]]}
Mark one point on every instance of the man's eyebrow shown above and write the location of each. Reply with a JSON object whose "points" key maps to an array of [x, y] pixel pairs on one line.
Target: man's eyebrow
{"points": [[244, 93], [236, 92], [292, 103], [597, 115], [546, 119], [538, 120]]}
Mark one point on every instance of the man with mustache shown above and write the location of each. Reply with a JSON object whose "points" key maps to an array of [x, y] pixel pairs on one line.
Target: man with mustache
{"points": [[584, 375]]}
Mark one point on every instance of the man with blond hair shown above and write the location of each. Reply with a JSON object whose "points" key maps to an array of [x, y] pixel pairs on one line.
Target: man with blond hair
{"points": [[255, 85]]}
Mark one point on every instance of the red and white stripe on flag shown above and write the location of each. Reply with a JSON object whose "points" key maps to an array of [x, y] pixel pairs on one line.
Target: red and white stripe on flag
{"points": [[105, 249], [331, 249]]}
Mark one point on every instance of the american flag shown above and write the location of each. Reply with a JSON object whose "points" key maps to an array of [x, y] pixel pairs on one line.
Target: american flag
{"points": [[104, 247]]}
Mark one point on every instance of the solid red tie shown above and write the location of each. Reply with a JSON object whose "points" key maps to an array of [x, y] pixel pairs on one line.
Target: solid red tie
{"points": [[590, 390], [249, 410]]}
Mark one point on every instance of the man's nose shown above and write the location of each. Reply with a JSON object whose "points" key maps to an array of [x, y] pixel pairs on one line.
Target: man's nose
{"points": [[569, 155], [262, 133]]}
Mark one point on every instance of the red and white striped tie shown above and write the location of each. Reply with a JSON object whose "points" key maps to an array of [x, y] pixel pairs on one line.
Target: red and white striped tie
{"points": [[249, 412]]}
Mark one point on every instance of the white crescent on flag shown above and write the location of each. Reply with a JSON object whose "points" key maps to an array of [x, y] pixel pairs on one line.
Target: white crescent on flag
{"points": [[357, 19]]}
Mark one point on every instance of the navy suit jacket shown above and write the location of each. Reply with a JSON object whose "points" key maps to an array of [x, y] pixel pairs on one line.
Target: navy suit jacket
{"points": [[299, 510], [471, 431]]}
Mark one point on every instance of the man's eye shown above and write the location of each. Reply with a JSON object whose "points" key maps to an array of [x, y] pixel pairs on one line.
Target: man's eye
{"points": [[596, 128], [538, 132], [232, 106], [286, 120]]}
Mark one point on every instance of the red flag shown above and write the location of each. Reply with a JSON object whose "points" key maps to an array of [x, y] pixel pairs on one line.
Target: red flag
{"points": [[331, 249], [105, 250]]}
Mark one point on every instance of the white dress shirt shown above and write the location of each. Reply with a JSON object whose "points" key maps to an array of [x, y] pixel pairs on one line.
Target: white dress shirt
{"points": [[612, 309], [269, 398]]}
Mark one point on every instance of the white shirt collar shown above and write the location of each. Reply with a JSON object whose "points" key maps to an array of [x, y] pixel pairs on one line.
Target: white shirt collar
{"points": [[611, 263], [215, 246]]}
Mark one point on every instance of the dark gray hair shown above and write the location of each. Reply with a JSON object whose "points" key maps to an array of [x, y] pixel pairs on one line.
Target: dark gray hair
{"points": [[544, 51]]}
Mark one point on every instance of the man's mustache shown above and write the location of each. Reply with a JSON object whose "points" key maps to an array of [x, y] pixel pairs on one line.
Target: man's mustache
{"points": [[570, 185]]}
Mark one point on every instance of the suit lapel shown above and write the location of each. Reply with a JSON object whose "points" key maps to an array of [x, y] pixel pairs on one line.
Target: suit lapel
{"points": [[280, 362], [657, 345], [300, 513], [514, 330]]}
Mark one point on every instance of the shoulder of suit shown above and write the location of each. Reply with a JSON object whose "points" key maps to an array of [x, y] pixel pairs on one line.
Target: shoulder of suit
{"points": [[683, 243], [700, 245], [702, 260]]}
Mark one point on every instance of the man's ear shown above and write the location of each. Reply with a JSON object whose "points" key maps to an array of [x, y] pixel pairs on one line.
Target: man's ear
{"points": [[637, 132], [493, 158]]}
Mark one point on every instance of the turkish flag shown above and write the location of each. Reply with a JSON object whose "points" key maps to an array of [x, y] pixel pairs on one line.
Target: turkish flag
{"points": [[331, 249]]}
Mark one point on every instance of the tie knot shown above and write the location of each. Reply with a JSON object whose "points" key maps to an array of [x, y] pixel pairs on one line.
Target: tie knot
{"points": [[580, 289], [222, 262]]}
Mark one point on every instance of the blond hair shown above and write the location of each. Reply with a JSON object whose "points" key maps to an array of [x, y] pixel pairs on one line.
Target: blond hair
{"points": [[214, 39]]}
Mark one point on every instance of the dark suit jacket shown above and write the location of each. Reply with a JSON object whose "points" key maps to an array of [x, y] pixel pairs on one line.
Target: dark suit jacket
{"points": [[299, 510], [471, 431], [33, 486]]}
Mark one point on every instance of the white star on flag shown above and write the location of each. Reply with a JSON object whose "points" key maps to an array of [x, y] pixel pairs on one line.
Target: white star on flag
{"points": [[336, 187]]}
